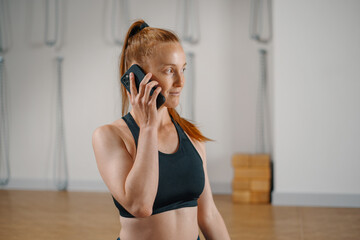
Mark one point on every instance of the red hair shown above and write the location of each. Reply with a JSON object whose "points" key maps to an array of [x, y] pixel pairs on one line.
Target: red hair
{"points": [[137, 48]]}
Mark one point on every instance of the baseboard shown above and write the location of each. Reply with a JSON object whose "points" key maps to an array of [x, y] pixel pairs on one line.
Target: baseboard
{"points": [[316, 199], [48, 185], [29, 184], [89, 186]]}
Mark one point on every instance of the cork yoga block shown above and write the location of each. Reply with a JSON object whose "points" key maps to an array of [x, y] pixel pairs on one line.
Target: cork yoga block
{"points": [[252, 185], [243, 196], [251, 160], [242, 184], [260, 197], [241, 160], [259, 185], [252, 175]]}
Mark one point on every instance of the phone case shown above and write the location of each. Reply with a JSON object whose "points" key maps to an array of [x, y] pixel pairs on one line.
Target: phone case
{"points": [[139, 75]]}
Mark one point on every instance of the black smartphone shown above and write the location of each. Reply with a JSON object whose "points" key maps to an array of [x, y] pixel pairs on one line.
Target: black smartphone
{"points": [[139, 75]]}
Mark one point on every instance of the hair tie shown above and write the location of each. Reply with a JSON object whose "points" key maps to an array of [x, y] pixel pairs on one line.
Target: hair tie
{"points": [[143, 25], [135, 30]]}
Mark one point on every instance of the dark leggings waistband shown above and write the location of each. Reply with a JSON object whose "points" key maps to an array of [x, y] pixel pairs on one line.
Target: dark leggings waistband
{"points": [[196, 239]]}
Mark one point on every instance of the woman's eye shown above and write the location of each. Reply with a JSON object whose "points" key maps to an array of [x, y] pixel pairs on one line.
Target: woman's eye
{"points": [[169, 70], [184, 69]]}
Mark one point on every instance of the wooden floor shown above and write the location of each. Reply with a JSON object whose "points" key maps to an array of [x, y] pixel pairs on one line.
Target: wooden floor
{"points": [[41, 215]]}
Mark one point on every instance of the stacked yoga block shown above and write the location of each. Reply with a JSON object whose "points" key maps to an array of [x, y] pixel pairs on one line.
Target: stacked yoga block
{"points": [[252, 175]]}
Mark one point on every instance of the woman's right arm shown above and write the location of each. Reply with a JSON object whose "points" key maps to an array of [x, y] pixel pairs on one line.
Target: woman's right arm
{"points": [[133, 183]]}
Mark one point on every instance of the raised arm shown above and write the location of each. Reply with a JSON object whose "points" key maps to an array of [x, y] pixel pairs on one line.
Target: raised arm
{"points": [[132, 182]]}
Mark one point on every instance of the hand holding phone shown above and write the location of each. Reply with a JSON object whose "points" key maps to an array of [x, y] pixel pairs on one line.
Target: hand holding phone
{"points": [[139, 75]]}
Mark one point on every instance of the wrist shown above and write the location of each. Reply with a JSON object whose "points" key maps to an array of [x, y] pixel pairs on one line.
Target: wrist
{"points": [[148, 129]]}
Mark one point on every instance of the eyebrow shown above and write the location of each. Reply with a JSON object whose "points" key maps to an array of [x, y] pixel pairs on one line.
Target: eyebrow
{"points": [[167, 64]]}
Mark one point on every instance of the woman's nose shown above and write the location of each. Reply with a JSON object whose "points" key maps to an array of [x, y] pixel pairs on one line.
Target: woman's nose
{"points": [[179, 79]]}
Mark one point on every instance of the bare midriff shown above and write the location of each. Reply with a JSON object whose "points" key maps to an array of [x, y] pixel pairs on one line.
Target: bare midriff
{"points": [[177, 224]]}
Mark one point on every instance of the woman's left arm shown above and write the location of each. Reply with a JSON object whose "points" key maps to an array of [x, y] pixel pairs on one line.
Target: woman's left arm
{"points": [[210, 221]]}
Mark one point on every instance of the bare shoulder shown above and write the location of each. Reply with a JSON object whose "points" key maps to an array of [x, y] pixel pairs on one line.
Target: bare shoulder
{"points": [[106, 137], [105, 134], [111, 135], [114, 130], [113, 158]]}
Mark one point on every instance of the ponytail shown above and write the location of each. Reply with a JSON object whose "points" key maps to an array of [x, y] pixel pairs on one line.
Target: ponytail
{"points": [[124, 67], [188, 127], [138, 43]]}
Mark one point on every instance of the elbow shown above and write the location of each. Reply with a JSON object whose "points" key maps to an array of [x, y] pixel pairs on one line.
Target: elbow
{"points": [[141, 211], [135, 208]]}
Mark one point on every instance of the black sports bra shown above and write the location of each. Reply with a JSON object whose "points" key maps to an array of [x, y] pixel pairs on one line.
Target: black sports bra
{"points": [[181, 174]]}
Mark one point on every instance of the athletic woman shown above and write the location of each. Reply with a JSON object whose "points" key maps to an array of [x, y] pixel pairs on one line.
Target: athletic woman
{"points": [[152, 160]]}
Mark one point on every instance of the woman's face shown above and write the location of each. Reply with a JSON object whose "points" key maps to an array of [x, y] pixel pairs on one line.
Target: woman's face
{"points": [[167, 65]]}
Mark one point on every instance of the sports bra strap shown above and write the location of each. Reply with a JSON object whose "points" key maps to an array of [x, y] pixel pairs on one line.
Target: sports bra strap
{"points": [[181, 132], [134, 128]]}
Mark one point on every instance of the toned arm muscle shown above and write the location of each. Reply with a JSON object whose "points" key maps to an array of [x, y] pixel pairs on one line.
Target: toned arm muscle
{"points": [[133, 183]]}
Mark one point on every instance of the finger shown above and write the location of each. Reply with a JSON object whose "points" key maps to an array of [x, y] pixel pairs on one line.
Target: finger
{"points": [[149, 86], [133, 89], [143, 83], [155, 95]]}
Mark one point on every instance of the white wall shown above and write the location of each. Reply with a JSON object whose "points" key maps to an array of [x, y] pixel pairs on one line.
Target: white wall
{"points": [[313, 88], [317, 102], [90, 86], [245, 61]]}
